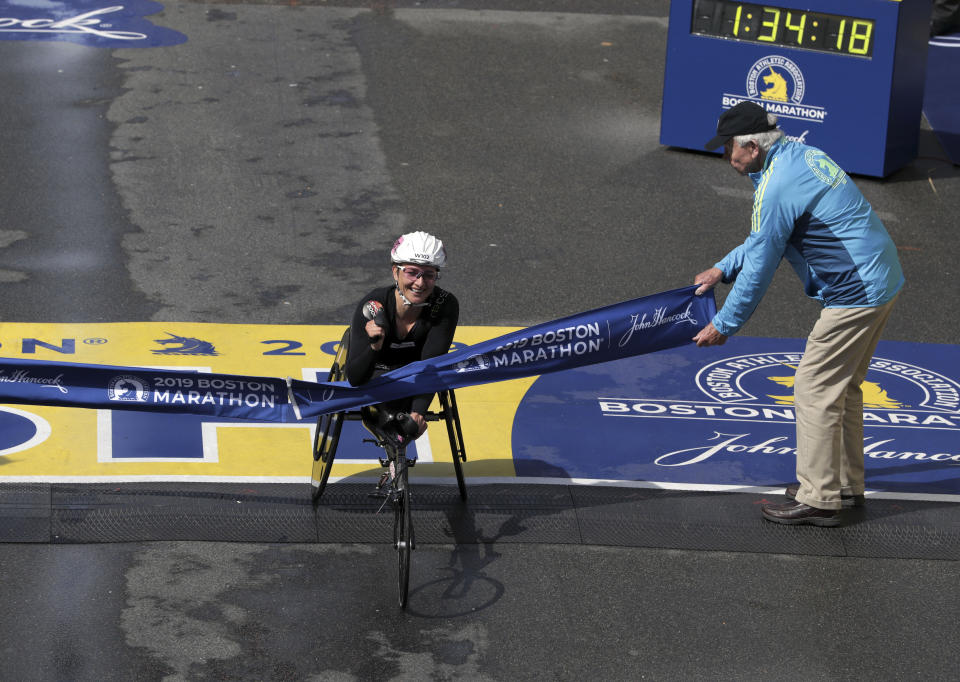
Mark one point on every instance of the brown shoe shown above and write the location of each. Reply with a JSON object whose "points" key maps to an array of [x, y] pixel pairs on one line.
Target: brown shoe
{"points": [[846, 500], [797, 513]]}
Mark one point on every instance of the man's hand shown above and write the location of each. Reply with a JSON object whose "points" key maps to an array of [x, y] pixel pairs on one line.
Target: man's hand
{"points": [[707, 280], [709, 336]]}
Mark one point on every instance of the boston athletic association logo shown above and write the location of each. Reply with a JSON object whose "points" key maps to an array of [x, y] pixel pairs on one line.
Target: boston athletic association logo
{"points": [[776, 79], [767, 379], [128, 389], [825, 168], [746, 407], [475, 363], [777, 84]]}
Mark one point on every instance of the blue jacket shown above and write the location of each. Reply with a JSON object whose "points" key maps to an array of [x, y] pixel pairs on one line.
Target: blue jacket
{"points": [[807, 210]]}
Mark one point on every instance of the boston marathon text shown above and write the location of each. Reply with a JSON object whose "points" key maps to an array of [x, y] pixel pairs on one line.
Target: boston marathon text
{"points": [[227, 392], [651, 408], [561, 343]]}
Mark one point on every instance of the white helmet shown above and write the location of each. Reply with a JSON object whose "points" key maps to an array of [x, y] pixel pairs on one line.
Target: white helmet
{"points": [[420, 248]]}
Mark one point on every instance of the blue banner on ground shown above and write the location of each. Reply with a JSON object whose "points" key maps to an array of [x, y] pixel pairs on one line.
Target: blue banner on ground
{"points": [[723, 417], [87, 22], [643, 325]]}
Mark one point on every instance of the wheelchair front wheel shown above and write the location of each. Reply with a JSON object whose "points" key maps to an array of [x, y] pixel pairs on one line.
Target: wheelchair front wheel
{"points": [[402, 531]]}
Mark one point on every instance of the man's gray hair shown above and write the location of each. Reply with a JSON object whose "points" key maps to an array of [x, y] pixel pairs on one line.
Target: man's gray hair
{"points": [[764, 140]]}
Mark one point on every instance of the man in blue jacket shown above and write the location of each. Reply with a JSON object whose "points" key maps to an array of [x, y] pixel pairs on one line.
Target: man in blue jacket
{"points": [[807, 210]]}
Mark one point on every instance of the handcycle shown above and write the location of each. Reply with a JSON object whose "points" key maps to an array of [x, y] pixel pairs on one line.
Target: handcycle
{"points": [[392, 431]]}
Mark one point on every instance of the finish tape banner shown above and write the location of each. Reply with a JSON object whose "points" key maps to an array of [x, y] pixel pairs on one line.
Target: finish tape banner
{"points": [[38, 382], [622, 330]]}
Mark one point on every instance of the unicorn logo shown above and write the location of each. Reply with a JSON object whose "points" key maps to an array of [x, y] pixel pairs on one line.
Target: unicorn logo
{"points": [[187, 346], [875, 397], [777, 89]]}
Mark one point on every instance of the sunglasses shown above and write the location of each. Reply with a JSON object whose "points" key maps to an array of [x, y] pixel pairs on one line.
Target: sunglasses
{"points": [[413, 274]]}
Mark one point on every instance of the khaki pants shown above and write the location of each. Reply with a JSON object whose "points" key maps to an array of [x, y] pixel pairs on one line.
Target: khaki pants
{"points": [[829, 403]]}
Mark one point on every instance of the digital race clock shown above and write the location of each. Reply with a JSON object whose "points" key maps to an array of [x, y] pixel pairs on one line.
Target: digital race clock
{"points": [[783, 26], [850, 83]]}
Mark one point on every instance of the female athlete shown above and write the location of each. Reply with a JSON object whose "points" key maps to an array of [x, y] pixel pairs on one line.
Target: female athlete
{"points": [[413, 319]]}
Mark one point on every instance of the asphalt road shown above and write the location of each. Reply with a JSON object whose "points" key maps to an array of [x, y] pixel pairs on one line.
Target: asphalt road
{"points": [[259, 172], [209, 611]]}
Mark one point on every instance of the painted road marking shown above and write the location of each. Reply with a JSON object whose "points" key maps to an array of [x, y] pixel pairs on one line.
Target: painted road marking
{"points": [[610, 424]]}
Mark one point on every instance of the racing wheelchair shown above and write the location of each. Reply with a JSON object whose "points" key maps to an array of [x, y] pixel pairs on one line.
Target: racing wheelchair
{"points": [[392, 431]]}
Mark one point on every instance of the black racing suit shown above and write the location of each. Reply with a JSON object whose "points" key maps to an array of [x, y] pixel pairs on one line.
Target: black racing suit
{"points": [[430, 336]]}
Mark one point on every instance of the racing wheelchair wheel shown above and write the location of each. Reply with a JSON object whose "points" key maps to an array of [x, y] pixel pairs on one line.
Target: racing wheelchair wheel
{"points": [[403, 531], [326, 437]]}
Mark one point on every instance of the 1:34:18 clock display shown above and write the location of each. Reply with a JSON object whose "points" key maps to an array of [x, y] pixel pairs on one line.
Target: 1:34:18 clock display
{"points": [[783, 27]]}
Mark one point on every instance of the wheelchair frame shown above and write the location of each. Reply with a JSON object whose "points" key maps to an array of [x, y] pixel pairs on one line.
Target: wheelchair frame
{"points": [[327, 435]]}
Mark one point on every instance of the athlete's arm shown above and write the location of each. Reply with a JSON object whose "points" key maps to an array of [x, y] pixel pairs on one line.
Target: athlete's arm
{"points": [[362, 353]]}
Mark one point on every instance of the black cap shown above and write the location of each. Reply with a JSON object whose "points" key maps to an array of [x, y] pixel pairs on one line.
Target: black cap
{"points": [[743, 119]]}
